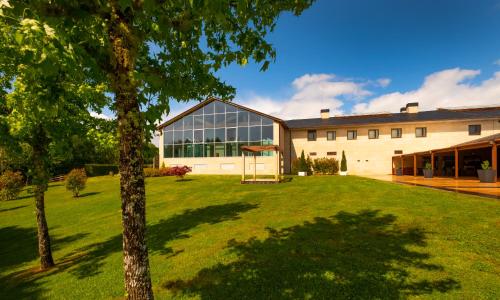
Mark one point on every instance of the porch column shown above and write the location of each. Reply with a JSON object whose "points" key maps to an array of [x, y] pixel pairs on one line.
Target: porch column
{"points": [[243, 174], [432, 162], [277, 165], [254, 167], [494, 158], [402, 165], [414, 165], [456, 163]]}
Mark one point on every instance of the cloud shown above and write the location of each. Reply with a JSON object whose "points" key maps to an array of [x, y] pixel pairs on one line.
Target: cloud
{"points": [[447, 88], [384, 82], [100, 115]]}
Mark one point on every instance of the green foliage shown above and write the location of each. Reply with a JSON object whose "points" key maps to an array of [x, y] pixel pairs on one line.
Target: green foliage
{"points": [[302, 164], [11, 184], [75, 181], [100, 169], [343, 163], [485, 165], [150, 152], [326, 165], [428, 166]]}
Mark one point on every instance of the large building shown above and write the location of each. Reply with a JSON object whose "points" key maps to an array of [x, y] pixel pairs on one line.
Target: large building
{"points": [[208, 138]]}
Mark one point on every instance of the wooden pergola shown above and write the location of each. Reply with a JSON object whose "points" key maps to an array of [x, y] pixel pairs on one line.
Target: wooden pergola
{"points": [[257, 149]]}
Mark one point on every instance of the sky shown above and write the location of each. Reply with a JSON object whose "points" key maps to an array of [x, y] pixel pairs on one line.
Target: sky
{"points": [[365, 56]]}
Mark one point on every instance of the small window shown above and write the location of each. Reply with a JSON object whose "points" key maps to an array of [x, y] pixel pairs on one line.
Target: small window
{"points": [[331, 153], [311, 135], [331, 135], [396, 133], [398, 151], [421, 131], [474, 129], [352, 134], [373, 134], [312, 153]]}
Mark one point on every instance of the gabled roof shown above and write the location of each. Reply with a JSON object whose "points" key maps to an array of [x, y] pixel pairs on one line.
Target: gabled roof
{"points": [[212, 99], [433, 115]]}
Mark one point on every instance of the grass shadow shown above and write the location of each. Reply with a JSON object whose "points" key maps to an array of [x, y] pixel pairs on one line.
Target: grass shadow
{"points": [[12, 208], [362, 255], [88, 194]]}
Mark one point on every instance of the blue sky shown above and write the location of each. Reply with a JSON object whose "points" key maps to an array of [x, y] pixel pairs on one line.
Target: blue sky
{"points": [[365, 56]]}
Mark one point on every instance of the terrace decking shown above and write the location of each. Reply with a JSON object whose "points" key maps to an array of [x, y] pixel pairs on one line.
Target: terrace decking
{"points": [[462, 185]]}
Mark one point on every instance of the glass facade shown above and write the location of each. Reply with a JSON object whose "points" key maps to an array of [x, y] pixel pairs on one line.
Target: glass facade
{"points": [[216, 130]]}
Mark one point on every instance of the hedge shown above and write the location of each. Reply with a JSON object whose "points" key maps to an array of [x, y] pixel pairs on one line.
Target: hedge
{"points": [[100, 169]]}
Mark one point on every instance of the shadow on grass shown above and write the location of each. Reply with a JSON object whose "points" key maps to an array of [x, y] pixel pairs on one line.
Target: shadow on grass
{"points": [[12, 208], [159, 234], [88, 194], [348, 256]]}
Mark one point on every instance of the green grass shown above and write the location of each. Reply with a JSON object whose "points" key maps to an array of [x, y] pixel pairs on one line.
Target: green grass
{"points": [[327, 237]]}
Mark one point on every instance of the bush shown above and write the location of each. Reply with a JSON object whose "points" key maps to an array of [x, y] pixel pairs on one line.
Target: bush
{"points": [[100, 169], [11, 184], [325, 165], [343, 163], [151, 172], [75, 181], [302, 164], [180, 172]]}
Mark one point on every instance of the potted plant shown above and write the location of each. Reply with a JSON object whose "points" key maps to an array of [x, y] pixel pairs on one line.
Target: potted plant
{"points": [[428, 170], [304, 169], [486, 174], [343, 165]]}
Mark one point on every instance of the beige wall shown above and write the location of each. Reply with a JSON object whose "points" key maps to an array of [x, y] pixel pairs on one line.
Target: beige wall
{"points": [[374, 156], [266, 165]]}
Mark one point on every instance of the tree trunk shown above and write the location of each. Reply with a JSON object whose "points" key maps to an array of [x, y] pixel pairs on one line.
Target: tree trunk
{"points": [[40, 180], [130, 130]]}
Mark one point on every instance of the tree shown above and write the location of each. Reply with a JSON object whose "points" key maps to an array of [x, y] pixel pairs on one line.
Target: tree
{"points": [[75, 181], [151, 52], [343, 163], [43, 98]]}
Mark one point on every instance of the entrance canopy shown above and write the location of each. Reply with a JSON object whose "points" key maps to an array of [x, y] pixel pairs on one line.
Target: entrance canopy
{"points": [[257, 149]]}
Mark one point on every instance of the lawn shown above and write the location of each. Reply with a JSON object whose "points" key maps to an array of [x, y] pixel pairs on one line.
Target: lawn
{"points": [[210, 237]]}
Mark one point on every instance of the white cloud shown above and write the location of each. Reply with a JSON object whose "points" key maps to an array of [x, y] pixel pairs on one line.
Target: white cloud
{"points": [[100, 115], [447, 88], [384, 82]]}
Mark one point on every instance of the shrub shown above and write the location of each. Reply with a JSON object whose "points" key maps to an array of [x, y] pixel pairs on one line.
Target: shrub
{"points": [[326, 166], [180, 172], [75, 181], [11, 184], [485, 165], [151, 172], [100, 169], [343, 163], [428, 166], [165, 171]]}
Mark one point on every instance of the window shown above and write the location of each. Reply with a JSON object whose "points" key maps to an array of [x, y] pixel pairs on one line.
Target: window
{"points": [[474, 129], [331, 153], [311, 135], [331, 135], [396, 133], [352, 134], [216, 130], [312, 153], [373, 134], [421, 131], [398, 151]]}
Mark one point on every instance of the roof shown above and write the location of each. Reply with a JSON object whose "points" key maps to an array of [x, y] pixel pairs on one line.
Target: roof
{"points": [[424, 116], [212, 99], [260, 148]]}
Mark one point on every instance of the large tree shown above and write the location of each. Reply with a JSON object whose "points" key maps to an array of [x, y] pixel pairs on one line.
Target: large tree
{"points": [[44, 98], [151, 52]]}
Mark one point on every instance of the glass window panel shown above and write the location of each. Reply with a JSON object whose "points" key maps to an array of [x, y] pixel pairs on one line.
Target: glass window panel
{"points": [[220, 135], [352, 134], [311, 135], [230, 108], [231, 119], [421, 131], [209, 108], [178, 125], [177, 137], [209, 121], [219, 149], [220, 107], [168, 137], [188, 122], [232, 149], [198, 122], [169, 127], [255, 133], [209, 150], [254, 119], [168, 151], [209, 135], [188, 136], [220, 120], [331, 135], [267, 121], [230, 134], [239, 147], [188, 150], [198, 150], [242, 118], [198, 136], [242, 134], [373, 134], [177, 150], [267, 135], [198, 112], [396, 133]]}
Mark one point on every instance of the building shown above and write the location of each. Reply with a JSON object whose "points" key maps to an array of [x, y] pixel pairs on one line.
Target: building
{"points": [[208, 138]]}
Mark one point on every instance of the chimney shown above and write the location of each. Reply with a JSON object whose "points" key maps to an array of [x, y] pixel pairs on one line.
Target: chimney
{"points": [[402, 110], [412, 108], [325, 113]]}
